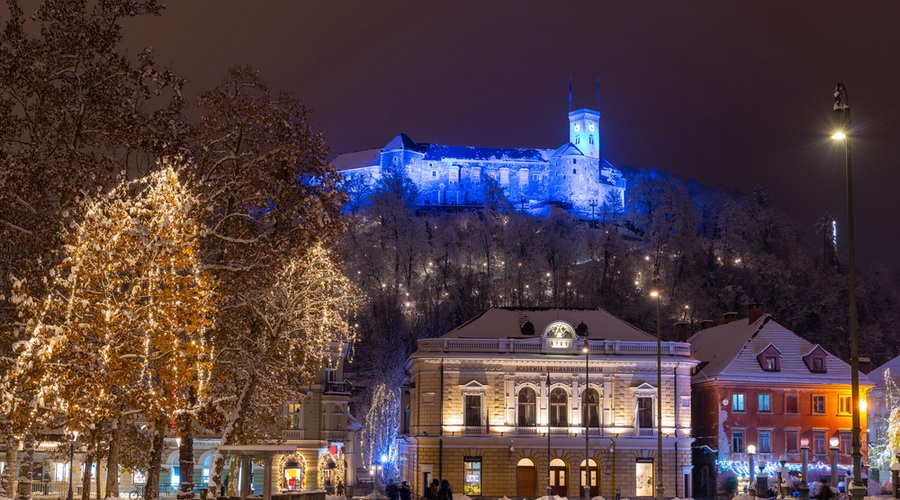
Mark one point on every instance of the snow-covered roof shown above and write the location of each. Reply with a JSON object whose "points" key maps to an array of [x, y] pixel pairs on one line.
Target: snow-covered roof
{"points": [[505, 323], [402, 141], [357, 159], [729, 352], [437, 152], [877, 375], [567, 150]]}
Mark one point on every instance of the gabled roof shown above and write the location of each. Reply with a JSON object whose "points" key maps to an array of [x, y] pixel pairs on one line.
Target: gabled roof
{"points": [[402, 141], [357, 159], [504, 323], [877, 375], [731, 349], [567, 150], [437, 152]]}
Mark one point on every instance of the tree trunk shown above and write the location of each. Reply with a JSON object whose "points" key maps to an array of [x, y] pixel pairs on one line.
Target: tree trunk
{"points": [[12, 467], [86, 476], [232, 477], [23, 485], [186, 457], [151, 491], [112, 460]]}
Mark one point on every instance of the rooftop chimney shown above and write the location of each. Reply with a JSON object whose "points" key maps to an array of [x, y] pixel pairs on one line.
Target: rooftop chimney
{"points": [[681, 332], [754, 312], [730, 316], [706, 323], [865, 365]]}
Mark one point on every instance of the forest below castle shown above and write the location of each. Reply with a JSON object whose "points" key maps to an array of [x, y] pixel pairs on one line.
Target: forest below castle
{"points": [[426, 272]]}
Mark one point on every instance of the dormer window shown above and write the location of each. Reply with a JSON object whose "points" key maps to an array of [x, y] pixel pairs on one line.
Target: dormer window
{"points": [[815, 360], [770, 359]]}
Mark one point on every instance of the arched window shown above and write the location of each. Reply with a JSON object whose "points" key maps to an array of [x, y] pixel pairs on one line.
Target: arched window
{"points": [[590, 409], [527, 407], [559, 402]]}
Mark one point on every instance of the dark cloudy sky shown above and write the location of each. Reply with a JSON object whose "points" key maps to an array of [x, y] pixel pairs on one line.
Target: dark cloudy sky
{"points": [[731, 93]]}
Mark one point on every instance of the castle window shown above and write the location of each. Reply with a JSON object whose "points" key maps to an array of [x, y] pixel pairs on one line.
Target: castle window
{"points": [[434, 173], [574, 171], [504, 176], [577, 140], [591, 139], [523, 177]]}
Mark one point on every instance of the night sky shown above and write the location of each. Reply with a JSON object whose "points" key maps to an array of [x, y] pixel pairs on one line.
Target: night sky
{"points": [[729, 93]]}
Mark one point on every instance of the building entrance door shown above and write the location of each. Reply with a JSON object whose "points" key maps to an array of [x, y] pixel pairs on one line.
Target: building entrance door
{"points": [[594, 478], [558, 478], [526, 479]]}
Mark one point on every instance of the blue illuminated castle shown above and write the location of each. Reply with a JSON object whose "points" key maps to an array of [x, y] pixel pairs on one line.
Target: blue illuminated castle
{"points": [[573, 176]]}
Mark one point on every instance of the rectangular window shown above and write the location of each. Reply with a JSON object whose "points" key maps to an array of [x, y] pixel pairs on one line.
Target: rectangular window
{"points": [[473, 410], [523, 177], [295, 416], [818, 365], [845, 403], [765, 403], [472, 476], [738, 402], [737, 442], [771, 364], [504, 176], [645, 413], [476, 175], [765, 444], [791, 441], [644, 478], [846, 443], [591, 139], [818, 405], [819, 446], [790, 403]]}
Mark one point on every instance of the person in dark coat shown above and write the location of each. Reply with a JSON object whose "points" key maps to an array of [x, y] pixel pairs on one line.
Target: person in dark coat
{"points": [[445, 493], [392, 491], [432, 492], [405, 492]]}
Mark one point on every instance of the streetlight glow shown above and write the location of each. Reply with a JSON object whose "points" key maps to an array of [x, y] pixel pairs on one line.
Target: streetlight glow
{"points": [[839, 136]]}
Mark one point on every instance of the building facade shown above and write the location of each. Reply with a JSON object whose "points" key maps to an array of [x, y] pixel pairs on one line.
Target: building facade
{"points": [[509, 404], [574, 176], [760, 384]]}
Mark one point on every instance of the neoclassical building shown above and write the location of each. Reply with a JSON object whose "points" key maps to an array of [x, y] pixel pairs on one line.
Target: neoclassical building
{"points": [[510, 404], [574, 175]]}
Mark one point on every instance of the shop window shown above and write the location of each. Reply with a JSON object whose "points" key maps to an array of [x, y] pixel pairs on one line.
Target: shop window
{"points": [[644, 482]]}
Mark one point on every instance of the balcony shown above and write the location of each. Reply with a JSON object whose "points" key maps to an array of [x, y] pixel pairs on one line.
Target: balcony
{"points": [[294, 434], [342, 388], [536, 346]]}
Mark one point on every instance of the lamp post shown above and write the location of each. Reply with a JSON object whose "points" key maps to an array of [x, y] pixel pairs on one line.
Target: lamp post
{"points": [[586, 411], [781, 471], [74, 435], [655, 290], [804, 468], [751, 488], [833, 441], [842, 124]]}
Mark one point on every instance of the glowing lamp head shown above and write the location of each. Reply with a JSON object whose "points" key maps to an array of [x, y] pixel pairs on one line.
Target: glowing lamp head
{"points": [[839, 135], [384, 458], [863, 405], [804, 442], [834, 441], [751, 449]]}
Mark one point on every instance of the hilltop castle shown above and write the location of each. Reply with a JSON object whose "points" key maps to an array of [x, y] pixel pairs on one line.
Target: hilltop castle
{"points": [[573, 176]]}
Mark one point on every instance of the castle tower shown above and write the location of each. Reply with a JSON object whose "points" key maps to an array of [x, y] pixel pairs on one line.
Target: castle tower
{"points": [[584, 131]]}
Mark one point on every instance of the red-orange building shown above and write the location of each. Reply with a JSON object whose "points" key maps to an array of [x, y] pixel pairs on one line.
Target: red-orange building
{"points": [[760, 384]]}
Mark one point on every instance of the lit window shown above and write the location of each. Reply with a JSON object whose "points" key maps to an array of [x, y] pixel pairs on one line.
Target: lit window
{"points": [[472, 476], [771, 364], [765, 403], [738, 402], [818, 406], [791, 440], [737, 442], [845, 403]]}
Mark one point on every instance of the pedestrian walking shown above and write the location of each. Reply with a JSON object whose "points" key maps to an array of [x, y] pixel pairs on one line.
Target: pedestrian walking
{"points": [[445, 493], [405, 492], [392, 491]]}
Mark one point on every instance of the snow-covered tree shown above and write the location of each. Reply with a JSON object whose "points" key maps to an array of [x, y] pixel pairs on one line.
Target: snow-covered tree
{"points": [[379, 433]]}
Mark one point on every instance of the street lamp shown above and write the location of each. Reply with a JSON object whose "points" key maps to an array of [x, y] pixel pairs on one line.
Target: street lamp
{"points": [[751, 489], [834, 441], [74, 435], [804, 468], [655, 290], [586, 412], [842, 128]]}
